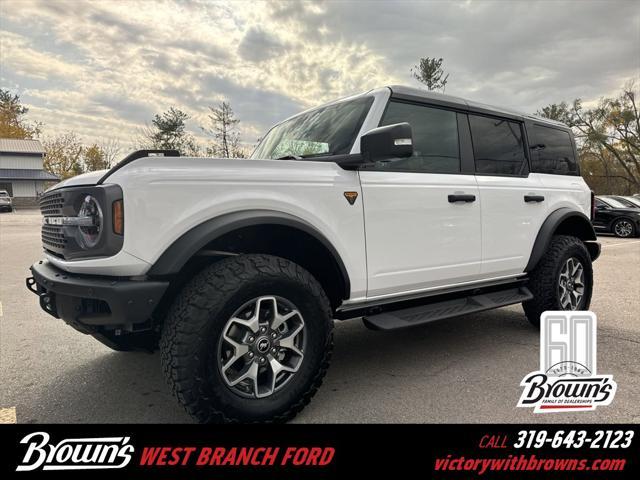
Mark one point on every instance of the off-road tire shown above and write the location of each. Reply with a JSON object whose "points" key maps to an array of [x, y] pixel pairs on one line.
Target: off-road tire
{"points": [[194, 325], [544, 279]]}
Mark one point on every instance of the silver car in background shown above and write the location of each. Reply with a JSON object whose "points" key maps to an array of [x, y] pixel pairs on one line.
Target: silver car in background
{"points": [[6, 205]]}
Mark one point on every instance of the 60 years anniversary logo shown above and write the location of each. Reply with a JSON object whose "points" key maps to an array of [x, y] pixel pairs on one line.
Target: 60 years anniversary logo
{"points": [[567, 379]]}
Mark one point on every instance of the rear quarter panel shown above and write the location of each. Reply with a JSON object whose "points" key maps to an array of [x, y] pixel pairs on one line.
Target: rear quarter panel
{"points": [[565, 191]]}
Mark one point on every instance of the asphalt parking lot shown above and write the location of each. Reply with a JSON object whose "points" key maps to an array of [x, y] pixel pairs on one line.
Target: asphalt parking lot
{"points": [[462, 370]]}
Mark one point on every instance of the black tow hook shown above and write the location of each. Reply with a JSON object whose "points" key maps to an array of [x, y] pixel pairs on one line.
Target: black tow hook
{"points": [[31, 285], [47, 303]]}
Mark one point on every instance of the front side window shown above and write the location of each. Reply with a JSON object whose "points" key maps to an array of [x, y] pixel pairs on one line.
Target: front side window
{"points": [[498, 146], [552, 151], [435, 139], [329, 130]]}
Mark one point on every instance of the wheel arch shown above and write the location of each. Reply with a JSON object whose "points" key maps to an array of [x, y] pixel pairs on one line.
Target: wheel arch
{"points": [[262, 231], [564, 221]]}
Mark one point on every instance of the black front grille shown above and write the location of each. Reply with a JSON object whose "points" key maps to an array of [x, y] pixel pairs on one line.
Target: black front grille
{"points": [[53, 238], [51, 204]]}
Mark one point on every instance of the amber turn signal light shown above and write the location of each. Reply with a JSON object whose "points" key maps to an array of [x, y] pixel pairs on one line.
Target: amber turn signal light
{"points": [[118, 217]]}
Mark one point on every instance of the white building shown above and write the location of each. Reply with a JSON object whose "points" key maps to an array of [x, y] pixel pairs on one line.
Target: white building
{"points": [[21, 171]]}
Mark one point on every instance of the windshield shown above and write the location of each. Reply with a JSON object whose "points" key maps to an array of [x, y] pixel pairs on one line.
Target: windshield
{"points": [[328, 130], [615, 203], [3, 194]]}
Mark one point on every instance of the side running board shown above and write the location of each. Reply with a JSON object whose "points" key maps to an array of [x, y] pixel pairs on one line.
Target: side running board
{"points": [[410, 317]]}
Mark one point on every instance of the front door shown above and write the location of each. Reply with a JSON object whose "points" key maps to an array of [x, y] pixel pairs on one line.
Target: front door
{"points": [[422, 216]]}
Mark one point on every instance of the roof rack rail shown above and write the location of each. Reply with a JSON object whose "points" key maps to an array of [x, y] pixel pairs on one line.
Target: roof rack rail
{"points": [[136, 155]]}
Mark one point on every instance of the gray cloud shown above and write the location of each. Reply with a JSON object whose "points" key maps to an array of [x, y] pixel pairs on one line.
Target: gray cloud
{"points": [[258, 45], [261, 107], [125, 108], [200, 47], [586, 47], [126, 30], [149, 56]]}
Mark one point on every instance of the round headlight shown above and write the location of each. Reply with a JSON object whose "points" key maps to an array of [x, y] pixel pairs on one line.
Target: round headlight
{"points": [[90, 235]]}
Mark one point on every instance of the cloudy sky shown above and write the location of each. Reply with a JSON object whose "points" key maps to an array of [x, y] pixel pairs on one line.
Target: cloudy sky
{"points": [[105, 68]]}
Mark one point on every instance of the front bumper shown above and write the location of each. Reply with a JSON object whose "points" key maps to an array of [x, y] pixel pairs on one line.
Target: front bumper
{"points": [[90, 301]]}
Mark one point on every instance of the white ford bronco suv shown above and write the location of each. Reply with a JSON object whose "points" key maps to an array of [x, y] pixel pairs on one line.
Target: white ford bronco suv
{"points": [[397, 206]]}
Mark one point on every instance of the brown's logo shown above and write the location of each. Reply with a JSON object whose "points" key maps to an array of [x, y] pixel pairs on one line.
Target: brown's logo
{"points": [[351, 197]]}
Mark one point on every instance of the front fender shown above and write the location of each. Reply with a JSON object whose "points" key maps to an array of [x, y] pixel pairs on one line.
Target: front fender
{"points": [[180, 251]]}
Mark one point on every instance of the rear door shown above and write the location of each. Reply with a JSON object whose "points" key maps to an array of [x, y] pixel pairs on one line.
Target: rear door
{"points": [[418, 236], [512, 202]]}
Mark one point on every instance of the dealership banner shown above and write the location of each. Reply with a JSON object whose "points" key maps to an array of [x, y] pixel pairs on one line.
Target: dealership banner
{"points": [[320, 451]]}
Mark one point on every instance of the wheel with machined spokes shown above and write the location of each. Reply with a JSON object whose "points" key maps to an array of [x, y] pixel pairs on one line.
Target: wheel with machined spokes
{"points": [[261, 347], [571, 284], [562, 280], [247, 340], [623, 228]]}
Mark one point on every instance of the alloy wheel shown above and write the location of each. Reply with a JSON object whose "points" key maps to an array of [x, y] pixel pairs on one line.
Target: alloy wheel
{"points": [[623, 228], [261, 347], [571, 284]]}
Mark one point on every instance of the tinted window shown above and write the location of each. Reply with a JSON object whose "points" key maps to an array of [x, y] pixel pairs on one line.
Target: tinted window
{"points": [[552, 151], [435, 139], [328, 130], [498, 147]]}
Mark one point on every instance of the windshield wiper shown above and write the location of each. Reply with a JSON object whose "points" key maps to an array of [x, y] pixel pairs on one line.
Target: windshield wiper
{"points": [[300, 157]]}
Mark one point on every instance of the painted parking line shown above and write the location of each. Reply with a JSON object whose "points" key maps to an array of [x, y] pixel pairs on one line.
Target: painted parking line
{"points": [[8, 415], [619, 244], [0, 309]]}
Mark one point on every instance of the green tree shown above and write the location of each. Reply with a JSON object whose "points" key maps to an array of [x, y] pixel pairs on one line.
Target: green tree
{"points": [[224, 130], [168, 131], [63, 155], [430, 73], [12, 118], [556, 111], [94, 158]]}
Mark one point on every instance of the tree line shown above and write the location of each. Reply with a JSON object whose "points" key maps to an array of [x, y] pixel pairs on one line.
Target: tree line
{"points": [[66, 155]]}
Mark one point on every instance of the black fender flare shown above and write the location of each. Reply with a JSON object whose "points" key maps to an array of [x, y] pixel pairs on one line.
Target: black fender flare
{"points": [[181, 250], [549, 228]]}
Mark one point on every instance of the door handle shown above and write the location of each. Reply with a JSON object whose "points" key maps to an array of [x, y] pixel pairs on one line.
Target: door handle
{"points": [[533, 198], [462, 198]]}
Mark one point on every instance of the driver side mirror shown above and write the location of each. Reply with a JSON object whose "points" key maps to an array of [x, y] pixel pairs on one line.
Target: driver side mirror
{"points": [[389, 141]]}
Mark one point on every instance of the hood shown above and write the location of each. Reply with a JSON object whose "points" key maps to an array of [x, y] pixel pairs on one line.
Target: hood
{"points": [[90, 178]]}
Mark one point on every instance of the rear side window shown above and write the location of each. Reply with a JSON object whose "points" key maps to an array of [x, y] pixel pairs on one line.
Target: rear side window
{"points": [[552, 151], [498, 146], [435, 139]]}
